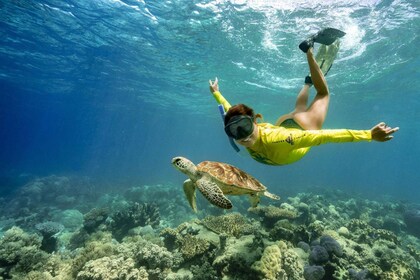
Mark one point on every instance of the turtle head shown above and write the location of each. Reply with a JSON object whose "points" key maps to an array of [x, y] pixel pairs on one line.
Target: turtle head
{"points": [[184, 165]]}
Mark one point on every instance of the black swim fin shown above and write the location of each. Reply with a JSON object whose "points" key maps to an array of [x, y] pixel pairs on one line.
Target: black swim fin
{"points": [[326, 36]]}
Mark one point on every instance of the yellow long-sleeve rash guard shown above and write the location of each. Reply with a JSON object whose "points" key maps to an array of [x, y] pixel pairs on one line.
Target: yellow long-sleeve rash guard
{"points": [[277, 145]]}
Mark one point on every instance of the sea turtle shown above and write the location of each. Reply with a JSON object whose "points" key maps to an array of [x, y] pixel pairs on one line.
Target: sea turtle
{"points": [[215, 179]]}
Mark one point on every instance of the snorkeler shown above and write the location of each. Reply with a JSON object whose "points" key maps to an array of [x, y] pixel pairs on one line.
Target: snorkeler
{"points": [[293, 134]]}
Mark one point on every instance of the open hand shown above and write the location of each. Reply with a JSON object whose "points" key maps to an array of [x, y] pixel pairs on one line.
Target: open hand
{"points": [[214, 86], [381, 132]]}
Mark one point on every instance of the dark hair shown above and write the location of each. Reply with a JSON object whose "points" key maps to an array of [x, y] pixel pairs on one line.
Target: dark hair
{"points": [[238, 110]]}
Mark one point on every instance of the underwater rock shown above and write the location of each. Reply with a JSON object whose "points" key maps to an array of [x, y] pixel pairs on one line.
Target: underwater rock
{"points": [[313, 272], [48, 230]]}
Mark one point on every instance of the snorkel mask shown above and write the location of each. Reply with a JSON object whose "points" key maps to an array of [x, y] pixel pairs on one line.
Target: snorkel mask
{"points": [[240, 127]]}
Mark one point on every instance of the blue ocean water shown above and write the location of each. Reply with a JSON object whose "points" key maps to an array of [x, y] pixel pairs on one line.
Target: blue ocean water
{"points": [[113, 90]]}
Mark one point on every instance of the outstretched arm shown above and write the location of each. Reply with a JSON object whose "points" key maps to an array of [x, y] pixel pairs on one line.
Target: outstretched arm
{"points": [[214, 86], [381, 132], [306, 138], [214, 89]]}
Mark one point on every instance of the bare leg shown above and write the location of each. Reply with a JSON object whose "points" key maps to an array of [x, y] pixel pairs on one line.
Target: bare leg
{"points": [[314, 116], [302, 99], [301, 104]]}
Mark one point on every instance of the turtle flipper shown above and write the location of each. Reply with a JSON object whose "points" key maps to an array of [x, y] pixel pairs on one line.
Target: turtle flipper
{"points": [[254, 199], [213, 193], [189, 190], [271, 195]]}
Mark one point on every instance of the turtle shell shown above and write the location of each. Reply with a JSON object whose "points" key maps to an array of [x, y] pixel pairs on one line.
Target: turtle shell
{"points": [[230, 175]]}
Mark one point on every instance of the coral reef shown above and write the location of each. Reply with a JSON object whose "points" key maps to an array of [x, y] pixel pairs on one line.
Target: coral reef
{"points": [[20, 252], [49, 230], [318, 255], [313, 272], [147, 234], [71, 219], [232, 224], [191, 246], [279, 262], [94, 218], [271, 214], [111, 269], [331, 245], [134, 215], [237, 258], [270, 266], [412, 220]]}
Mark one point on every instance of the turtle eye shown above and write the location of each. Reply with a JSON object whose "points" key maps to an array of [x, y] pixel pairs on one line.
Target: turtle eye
{"points": [[178, 162]]}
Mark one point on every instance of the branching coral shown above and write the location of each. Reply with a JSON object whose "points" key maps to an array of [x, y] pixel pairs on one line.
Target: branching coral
{"points": [[136, 214], [156, 259]]}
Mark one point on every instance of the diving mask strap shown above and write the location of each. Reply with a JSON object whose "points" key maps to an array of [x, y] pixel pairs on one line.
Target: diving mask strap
{"points": [[232, 143]]}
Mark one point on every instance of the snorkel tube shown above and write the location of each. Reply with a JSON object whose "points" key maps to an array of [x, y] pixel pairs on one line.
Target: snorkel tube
{"points": [[232, 143]]}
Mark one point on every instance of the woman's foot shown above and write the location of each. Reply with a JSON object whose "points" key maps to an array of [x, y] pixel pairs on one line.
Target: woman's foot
{"points": [[306, 45]]}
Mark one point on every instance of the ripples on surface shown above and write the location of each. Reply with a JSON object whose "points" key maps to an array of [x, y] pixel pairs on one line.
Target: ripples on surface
{"points": [[165, 51]]}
